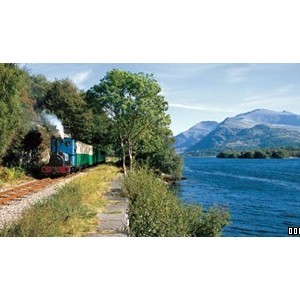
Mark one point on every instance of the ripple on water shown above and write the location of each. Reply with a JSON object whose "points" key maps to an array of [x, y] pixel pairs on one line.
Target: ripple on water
{"points": [[263, 196]]}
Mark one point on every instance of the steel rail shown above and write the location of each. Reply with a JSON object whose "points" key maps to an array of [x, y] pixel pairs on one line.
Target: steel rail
{"points": [[18, 192]]}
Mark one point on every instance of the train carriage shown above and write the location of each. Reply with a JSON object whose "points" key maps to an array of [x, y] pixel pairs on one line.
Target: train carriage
{"points": [[99, 156], [69, 155], [83, 155]]}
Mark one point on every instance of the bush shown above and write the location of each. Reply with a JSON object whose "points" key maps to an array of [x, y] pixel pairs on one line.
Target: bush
{"points": [[11, 175], [155, 211], [165, 161], [8, 174]]}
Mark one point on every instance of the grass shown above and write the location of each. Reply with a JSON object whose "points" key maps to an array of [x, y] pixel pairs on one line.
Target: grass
{"points": [[70, 212], [10, 176]]}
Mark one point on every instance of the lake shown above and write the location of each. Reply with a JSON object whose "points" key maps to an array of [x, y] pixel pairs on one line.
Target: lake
{"points": [[262, 195]]}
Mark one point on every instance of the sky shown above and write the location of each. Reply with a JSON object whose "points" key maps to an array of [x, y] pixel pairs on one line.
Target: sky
{"points": [[202, 91]]}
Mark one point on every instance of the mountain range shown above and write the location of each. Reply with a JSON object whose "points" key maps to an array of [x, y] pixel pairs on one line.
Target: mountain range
{"points": [[260, 128]]}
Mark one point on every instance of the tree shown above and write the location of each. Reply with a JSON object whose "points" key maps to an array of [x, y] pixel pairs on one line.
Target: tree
{"points": [[279, 153], [102, 127], [64, 99], [14, 105], [135, 107], [38, 88], [259, 154], [247, 154], [159, 154]]}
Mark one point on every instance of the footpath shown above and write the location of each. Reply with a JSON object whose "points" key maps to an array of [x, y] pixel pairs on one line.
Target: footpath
{"points": [[113, 222]]}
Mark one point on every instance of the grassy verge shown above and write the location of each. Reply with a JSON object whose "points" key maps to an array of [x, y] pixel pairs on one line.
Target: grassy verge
{"points": [[9, 176], [70, 212], [154, 210]]}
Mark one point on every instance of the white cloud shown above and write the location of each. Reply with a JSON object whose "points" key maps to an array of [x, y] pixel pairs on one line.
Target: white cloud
{"points": [[202, 108], [80, 77], [250, 101]]}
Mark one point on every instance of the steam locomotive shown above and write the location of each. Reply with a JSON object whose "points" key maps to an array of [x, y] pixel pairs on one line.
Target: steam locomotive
{"points": [[69, 155]]}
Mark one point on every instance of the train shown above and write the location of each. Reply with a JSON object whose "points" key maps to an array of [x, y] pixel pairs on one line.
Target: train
{"points": [[68, 155]]}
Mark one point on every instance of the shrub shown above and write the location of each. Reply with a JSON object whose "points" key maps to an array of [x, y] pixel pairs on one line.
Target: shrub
{"points": [[155, 211], [164, 161], [8, 174], [11, 175]]}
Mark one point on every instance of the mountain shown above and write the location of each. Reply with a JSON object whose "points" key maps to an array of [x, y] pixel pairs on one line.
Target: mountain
{"points": [[260, 128], [187, 139]]}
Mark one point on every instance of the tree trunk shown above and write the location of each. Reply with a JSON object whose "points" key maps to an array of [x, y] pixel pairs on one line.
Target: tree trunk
{"points": [[130, 156], [123, 157]]}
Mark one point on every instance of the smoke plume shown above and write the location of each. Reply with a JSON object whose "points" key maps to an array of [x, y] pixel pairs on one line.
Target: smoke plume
{"points": [[53, 124]]}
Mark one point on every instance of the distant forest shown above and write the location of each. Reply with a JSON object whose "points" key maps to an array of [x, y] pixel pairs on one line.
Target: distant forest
{"points": [[262, 153]]}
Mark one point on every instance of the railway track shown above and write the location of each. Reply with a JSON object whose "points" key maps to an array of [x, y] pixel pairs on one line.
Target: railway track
{"points": [[18, 192]]}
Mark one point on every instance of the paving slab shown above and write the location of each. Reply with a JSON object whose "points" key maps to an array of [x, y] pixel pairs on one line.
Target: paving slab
{"points": [[113, 222]]}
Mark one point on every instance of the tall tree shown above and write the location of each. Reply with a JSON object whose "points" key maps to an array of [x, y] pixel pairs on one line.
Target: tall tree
{"points": [[65, 100], [135, 106], [102, 126], [13, 104], [38, 88], [157, 151]]}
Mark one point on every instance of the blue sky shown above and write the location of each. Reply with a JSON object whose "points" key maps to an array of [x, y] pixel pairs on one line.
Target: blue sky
{"points": [[200, 92]]}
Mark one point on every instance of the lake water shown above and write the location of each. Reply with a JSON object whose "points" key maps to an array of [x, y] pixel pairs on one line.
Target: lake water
{"points": [[263, 195]]}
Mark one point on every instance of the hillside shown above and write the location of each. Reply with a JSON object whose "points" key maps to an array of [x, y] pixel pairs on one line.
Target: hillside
{"points": [[187, 139], [260, 128]]}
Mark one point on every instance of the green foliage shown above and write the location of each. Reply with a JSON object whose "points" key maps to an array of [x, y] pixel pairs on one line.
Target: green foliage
{"points": [[159, 154], [280, 153], [136, 109], [155, 211], [262, 153], [247, 154], [163, 160], [27, 152], [259, 154], [102, 125], [227, 155], [210, 223], [64, 100], [9, 174], [14, 105], [38, 88]]}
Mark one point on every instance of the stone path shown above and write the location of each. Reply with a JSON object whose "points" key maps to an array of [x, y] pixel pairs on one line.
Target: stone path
{"points": [[113, 222]]}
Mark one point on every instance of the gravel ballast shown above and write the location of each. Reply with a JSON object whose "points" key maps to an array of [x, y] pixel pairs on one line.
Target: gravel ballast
{"points": [[13, 210]]}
